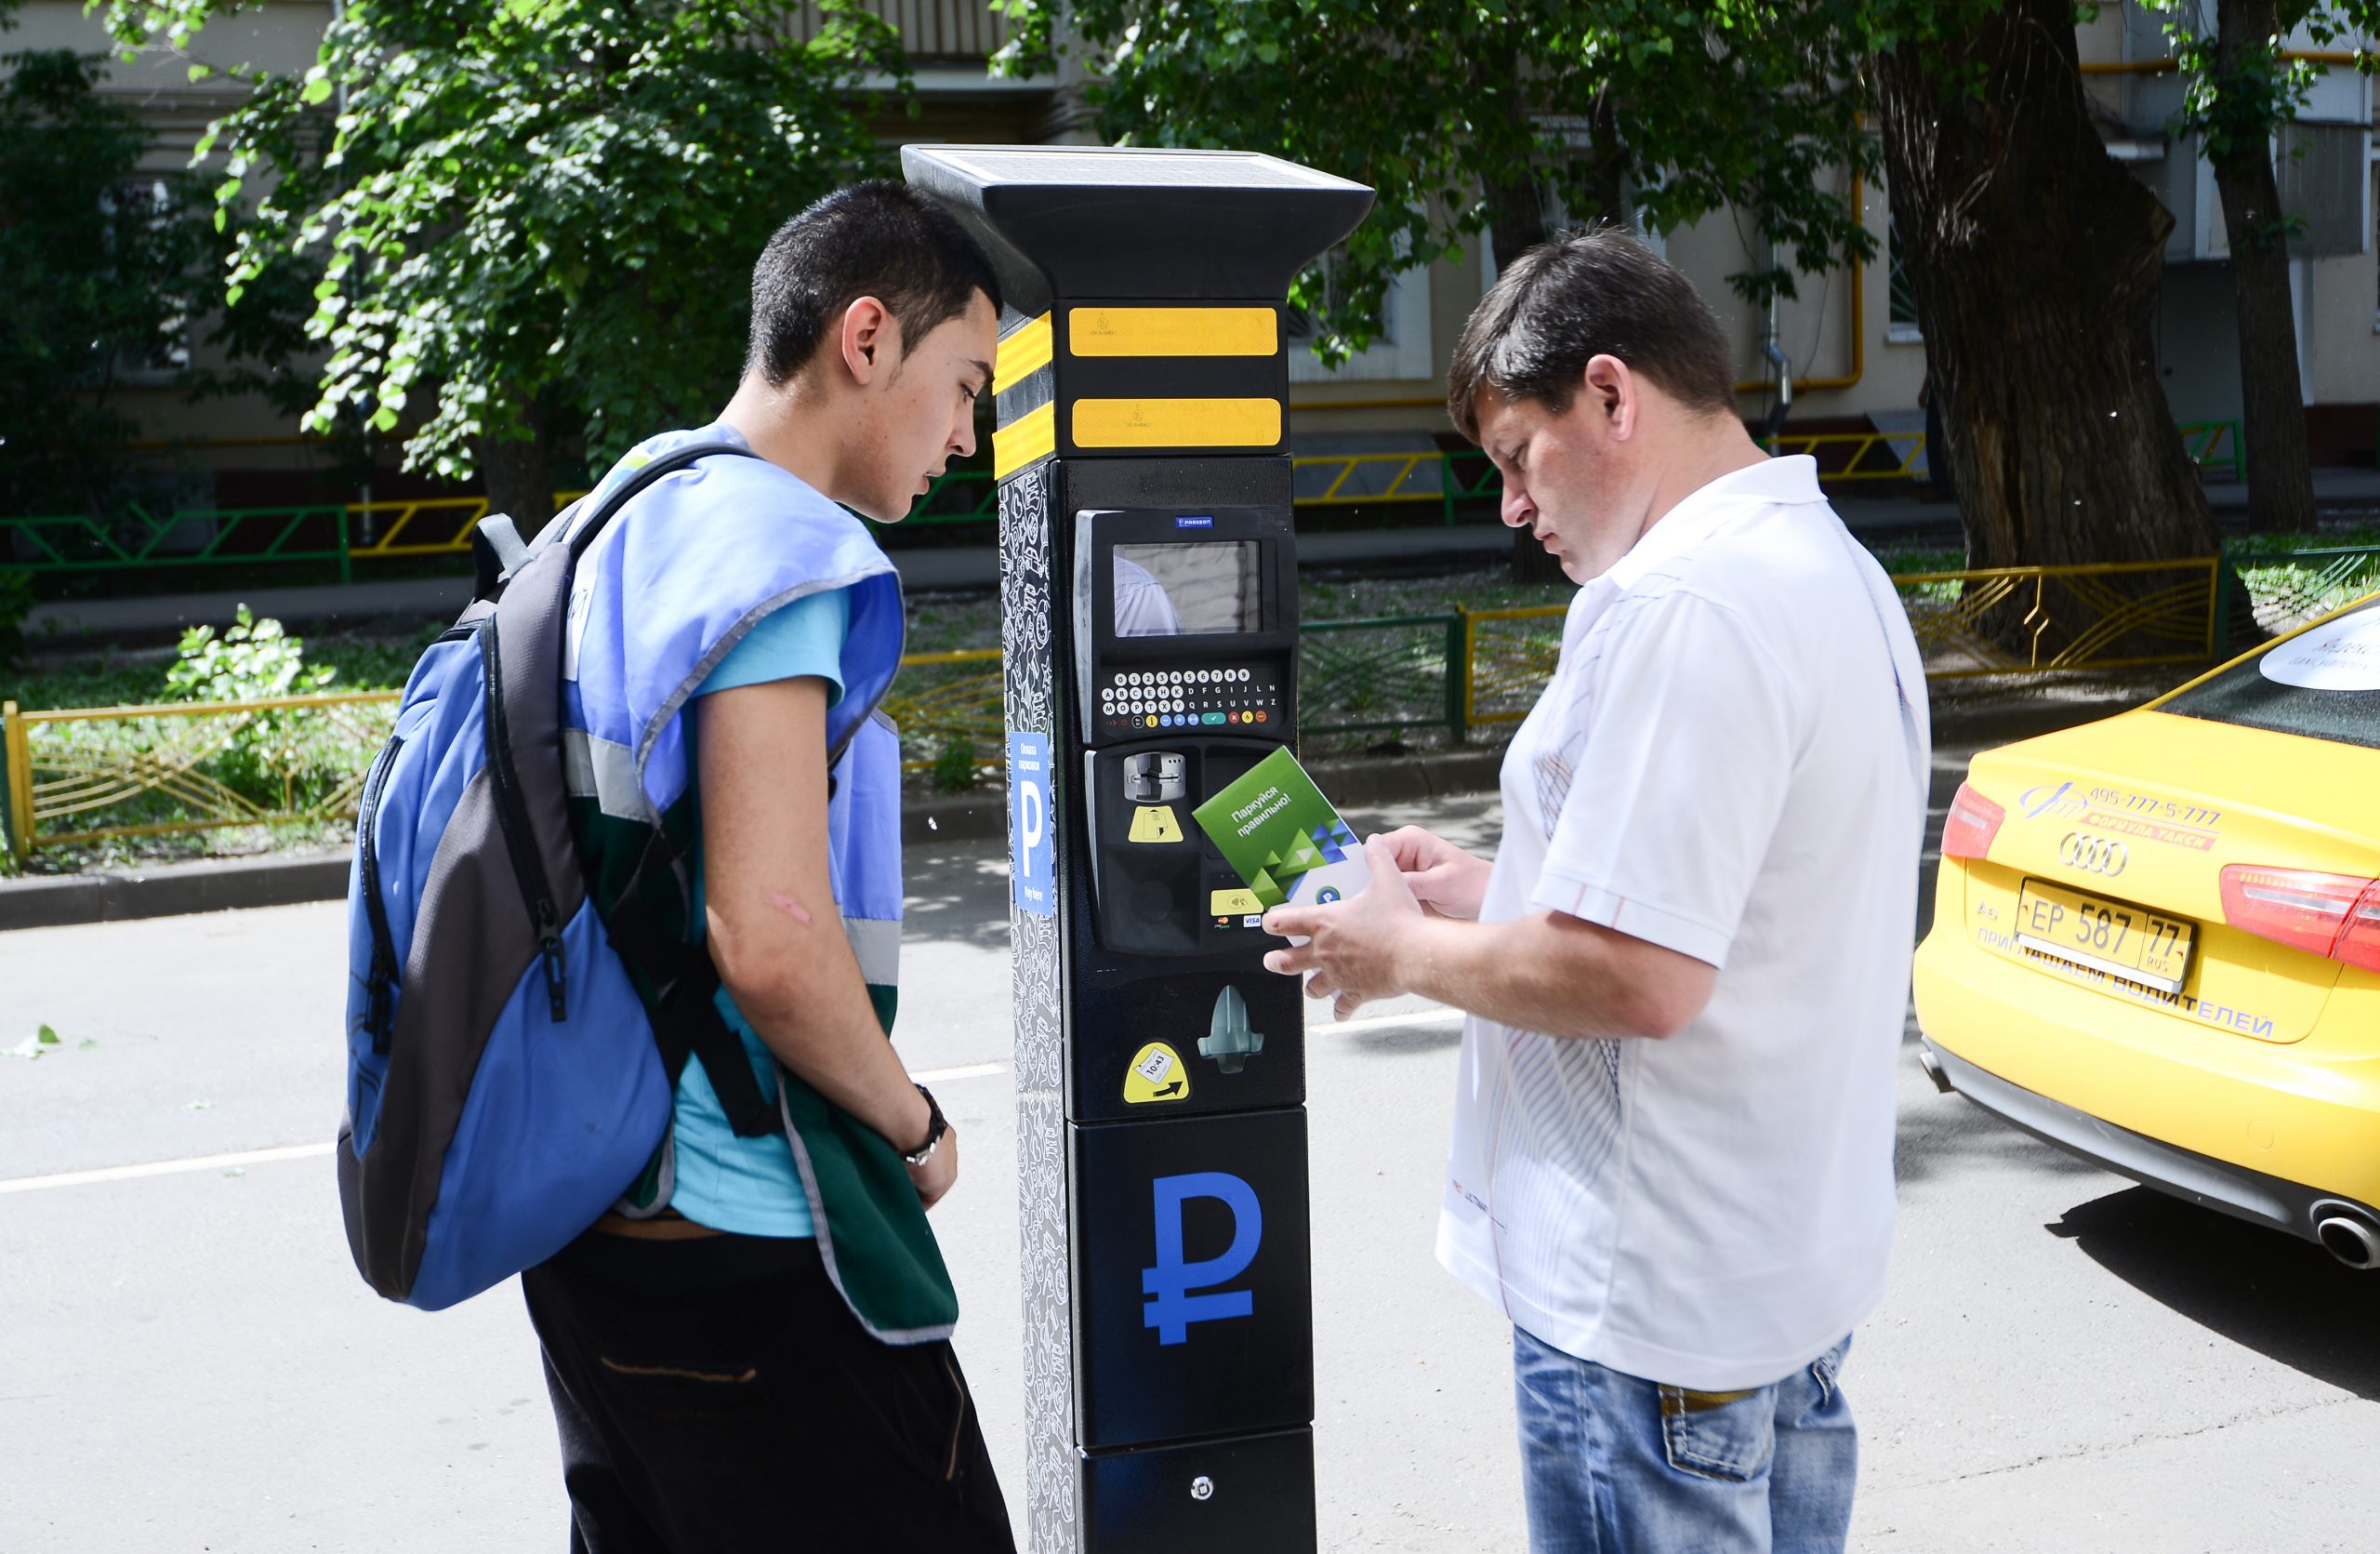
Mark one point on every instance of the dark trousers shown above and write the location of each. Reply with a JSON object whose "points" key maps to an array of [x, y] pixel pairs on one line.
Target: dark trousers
{"points": [[715, 1396]]}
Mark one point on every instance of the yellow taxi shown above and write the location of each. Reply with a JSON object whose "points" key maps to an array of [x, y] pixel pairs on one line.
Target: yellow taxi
{"points": [[2156, 939]]}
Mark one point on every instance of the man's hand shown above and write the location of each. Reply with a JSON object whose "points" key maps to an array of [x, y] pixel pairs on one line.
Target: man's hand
{"points": [[1446, 881], [1353, 947], [940, 1173]]}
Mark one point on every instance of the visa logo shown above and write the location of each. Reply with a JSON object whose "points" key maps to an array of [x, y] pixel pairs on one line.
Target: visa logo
{"points": [[1194, 523]]}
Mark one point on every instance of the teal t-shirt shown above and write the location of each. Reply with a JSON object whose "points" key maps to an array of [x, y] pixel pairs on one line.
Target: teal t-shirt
{"points": [[750, 1186]]}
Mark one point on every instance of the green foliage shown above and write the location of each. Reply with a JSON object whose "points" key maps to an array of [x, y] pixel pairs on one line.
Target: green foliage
{"points": [[534, 218], [44, 1041], [954, 765], [1450, 106], [272, 754], [251, 660], [2238, 99], [15, 603]]}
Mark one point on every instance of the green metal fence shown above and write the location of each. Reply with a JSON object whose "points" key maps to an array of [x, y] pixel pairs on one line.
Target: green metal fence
{"points": [[138, 537], [343, 536]]}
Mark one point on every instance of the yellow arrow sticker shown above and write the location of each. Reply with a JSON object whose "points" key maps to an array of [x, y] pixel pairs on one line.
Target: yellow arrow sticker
{"points": [[1156, 1074], [1155, 823]]}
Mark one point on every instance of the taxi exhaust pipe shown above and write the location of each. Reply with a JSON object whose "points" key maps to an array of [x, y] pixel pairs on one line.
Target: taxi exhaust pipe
{"points": [[1933, 1067], [2347, 1235]]}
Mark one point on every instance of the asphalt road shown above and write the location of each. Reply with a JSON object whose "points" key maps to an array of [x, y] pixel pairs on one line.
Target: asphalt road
{"points": [[188, 1363]]}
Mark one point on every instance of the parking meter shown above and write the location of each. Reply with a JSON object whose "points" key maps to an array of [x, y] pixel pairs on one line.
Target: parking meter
{"points": [[1148, 590]]}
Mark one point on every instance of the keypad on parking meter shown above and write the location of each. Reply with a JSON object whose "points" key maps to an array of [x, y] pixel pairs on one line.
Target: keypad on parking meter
{"points": [[1188, 699]]}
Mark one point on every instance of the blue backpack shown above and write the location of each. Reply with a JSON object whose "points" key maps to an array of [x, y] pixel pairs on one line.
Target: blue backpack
{"points": [[513, 1043]]}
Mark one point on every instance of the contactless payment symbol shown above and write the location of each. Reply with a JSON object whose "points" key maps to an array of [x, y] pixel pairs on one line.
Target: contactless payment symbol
{"points": [[1155, 823], [1158, 1074]]}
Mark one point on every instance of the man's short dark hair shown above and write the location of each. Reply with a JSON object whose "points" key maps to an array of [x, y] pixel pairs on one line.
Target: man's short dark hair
{"points": [[1590, 294], [877, 238]]}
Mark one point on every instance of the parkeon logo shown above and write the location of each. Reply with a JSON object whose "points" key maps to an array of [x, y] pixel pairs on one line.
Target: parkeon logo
{"points": [[1171, 1307]]}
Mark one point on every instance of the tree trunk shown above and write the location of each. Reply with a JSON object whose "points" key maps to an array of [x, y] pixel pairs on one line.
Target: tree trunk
{"points": [[519, 478], [1516, 224], [2034, 258], [2281, 481]]}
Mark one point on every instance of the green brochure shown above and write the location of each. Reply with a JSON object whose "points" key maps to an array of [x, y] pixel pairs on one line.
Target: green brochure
{"points": [[1282, 836]]}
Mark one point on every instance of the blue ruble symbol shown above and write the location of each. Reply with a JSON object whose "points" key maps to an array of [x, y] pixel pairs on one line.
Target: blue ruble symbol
{"points": [[1171, 1309], [1326, 894]]}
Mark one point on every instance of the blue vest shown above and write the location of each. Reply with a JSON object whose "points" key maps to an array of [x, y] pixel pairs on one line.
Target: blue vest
{"points": [[675, 581]]}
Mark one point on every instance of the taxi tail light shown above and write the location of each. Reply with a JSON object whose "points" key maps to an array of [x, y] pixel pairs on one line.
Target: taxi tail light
{"points": [[2332, 915], [1972, 821]]}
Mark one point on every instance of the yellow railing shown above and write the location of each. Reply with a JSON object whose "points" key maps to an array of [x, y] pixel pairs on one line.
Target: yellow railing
{"points": [[187, 765], [432, 526], [2100, 617], [120, 771], [1896, 465], [177, 766], [1508, 656], [932, 707], [2072, 619], [1387, 477]]}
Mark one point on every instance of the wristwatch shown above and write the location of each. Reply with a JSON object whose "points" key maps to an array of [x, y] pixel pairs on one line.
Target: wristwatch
{"points": [[935, 1128]]}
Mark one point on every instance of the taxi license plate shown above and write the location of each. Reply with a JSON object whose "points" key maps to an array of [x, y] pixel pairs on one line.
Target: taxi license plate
{"points": [[2113, 936]]}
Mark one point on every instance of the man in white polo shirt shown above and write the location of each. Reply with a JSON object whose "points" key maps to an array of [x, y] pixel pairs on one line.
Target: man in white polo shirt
{"points": [[1687, 965]]}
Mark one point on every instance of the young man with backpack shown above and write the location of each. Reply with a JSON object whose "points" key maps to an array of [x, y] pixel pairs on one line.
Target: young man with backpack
{"points": [[750, 1350]]}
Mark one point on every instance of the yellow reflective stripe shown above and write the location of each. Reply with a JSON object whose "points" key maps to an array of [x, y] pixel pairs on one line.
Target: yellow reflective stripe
{"points": [[1030, 436], [1177, 423], [1023, 352], [1173, 331]]}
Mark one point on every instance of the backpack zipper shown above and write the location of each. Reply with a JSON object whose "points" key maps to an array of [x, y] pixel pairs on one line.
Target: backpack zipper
{"points": [[512, 819], [381, 982]]}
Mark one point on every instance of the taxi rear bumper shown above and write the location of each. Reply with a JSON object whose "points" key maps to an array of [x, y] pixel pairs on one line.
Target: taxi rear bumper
{"points": [[2233, 1189]]}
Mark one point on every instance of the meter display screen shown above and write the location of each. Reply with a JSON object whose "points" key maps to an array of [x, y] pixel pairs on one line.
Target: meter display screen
{"points": [[1204, 588]]}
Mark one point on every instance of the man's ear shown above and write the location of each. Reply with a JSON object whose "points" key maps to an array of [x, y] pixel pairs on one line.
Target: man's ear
{"points": [[1613, 390], [870, 340]]}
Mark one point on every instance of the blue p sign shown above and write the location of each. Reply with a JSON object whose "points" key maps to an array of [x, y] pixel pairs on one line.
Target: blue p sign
{"points": [[1172, 1308]]}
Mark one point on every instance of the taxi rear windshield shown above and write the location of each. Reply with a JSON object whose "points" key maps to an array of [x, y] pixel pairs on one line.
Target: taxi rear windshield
{"points": [[2325, 683]]}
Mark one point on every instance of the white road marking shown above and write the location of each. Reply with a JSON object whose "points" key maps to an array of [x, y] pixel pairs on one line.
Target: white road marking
{"points": [[1387, 1022], [965, 1071], [242, 1160]]}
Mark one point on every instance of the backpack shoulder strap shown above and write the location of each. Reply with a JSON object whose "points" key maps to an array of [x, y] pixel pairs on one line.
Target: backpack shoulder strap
{"points": [[580, 534], [680, 974]]}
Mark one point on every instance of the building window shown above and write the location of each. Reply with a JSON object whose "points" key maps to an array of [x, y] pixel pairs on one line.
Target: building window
{"points": [[1298, 325], [1900, 320], [1400, 348], [162, 360]]}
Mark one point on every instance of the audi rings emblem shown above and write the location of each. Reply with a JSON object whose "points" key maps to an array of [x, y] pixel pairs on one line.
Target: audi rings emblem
{"points": [[2098, 854]]}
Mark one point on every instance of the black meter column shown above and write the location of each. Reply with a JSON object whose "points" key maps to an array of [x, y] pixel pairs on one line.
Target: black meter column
{"points": [[1148, 578]]}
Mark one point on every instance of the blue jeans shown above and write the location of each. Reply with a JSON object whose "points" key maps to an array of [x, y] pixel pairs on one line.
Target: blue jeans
{"points": [[1613, 1465]]}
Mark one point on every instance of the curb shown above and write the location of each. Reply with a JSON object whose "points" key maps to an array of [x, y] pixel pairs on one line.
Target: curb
{"points": [[170, 890]]}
